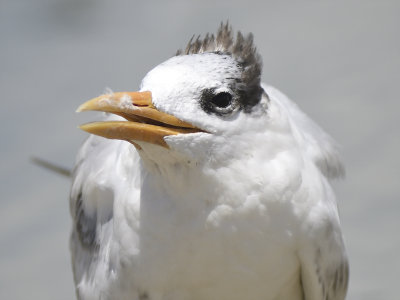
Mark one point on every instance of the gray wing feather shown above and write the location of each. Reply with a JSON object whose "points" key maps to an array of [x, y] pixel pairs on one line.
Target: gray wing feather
{"points": [[98, 173], [324, 264], [321, 281]]}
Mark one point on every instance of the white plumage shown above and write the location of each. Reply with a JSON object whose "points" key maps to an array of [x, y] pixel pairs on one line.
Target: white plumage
{"points": [[242, 209]]}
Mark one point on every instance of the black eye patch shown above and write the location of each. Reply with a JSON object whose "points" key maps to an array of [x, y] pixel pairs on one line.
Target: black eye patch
{"points": [[217, 103]]}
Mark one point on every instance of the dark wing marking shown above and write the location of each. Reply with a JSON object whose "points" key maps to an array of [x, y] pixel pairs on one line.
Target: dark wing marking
{"points": [[324, 278], [85, 226]]}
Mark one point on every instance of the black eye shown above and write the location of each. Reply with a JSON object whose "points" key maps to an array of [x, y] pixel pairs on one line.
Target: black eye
{"points": [[222, 100], [221, 104]]}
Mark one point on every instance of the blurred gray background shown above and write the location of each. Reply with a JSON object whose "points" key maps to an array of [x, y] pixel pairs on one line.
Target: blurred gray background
{"points": [[339, 60]]}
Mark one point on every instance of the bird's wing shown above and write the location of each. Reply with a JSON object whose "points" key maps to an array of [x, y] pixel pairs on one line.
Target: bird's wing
{"points": [[315, 142], [104, 170], [324, 266]]}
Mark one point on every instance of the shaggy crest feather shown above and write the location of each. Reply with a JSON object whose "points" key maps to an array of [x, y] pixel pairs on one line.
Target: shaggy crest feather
{"points": [[242, 49]]}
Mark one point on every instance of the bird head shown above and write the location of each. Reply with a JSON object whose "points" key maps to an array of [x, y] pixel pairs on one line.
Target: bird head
{"points": [[209, 94]]}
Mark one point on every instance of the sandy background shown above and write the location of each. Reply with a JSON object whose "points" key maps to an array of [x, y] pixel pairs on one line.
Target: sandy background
{"points": [[339, 60]]}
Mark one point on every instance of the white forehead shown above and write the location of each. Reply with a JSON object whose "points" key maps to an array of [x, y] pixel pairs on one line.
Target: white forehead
{"points": [[190, 73]]}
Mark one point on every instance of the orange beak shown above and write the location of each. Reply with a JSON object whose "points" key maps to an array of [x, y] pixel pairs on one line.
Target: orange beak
{"points": [[144, 122]]}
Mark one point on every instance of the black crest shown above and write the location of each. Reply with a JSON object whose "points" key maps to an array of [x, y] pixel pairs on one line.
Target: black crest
{"points": [[242, 49]]}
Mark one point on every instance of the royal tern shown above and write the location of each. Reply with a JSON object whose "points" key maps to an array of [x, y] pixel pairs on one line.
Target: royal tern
{"points": [[210, 185]]}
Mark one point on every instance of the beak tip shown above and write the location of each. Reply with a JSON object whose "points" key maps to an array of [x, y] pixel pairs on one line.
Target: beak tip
{"points": [[81, 108], [88, 127]]}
